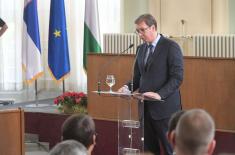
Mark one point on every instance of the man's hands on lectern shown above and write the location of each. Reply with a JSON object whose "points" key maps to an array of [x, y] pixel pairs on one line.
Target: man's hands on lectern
{"points": [[152, 95], [124, 89]]}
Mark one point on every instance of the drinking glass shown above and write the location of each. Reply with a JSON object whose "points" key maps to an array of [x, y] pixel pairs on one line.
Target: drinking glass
{"points": [[110, 81]]}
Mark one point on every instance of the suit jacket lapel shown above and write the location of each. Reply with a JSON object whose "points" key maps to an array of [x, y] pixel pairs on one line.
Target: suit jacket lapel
{"points": [[157, 51]]}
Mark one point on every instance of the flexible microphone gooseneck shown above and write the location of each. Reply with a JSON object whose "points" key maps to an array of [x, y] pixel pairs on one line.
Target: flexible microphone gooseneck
{"points": [[133, 70], [107, 64]]}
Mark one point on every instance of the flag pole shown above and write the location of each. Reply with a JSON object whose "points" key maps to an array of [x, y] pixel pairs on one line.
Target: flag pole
{"points": [[63, 87], [36, 88], [36, 92]]}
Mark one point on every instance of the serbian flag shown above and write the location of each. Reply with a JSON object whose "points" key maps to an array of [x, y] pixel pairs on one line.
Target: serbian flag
{"points": [[58, 52], [31, 49]]}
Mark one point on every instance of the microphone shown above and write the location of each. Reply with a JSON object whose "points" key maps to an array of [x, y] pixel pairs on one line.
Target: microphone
{"points": [[131, 45], [108, 63], [124, 51]]}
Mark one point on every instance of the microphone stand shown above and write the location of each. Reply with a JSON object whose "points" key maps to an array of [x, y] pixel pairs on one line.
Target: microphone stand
{"points": [[107, 64], [132, 90], [133, 70]]}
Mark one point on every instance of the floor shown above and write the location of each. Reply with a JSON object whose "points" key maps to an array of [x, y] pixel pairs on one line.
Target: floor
{"points": [[35, 149], [28, 95], [27, 100]]}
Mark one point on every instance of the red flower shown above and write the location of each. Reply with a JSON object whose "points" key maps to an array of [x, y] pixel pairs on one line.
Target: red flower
{"points": [[78, 100], [71, 98], [56, 101]]}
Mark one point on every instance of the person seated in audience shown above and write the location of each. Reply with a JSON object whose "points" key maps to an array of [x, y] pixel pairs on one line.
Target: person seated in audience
{"points": [[194, 134], [172, 125], [3, 27], [69, 147], [82, 129]]}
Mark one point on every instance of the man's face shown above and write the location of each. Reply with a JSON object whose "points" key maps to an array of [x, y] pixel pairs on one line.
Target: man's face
{"points": [[145, 32]]}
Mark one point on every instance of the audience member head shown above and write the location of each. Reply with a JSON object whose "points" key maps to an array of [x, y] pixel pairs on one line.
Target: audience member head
{"points": [[172, 125], [69, 147], [174, 120], [80, 128], [194, 133]]}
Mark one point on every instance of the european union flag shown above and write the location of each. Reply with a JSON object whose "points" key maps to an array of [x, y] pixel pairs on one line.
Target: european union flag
{"points": [[58, 52]]}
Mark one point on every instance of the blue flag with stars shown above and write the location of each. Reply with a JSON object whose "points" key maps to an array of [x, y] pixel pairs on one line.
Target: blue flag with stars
{"points": [[58, 52]]}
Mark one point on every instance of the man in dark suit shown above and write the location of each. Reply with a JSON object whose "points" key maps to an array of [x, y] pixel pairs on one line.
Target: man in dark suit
{"points": [[158, 74]]}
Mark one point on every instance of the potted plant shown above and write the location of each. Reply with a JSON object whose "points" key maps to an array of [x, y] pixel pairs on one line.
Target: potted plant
{"points": [[72, 102]]}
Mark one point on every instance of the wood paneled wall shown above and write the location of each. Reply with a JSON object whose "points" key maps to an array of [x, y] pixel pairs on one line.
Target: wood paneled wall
{"points": [[208, 84]]}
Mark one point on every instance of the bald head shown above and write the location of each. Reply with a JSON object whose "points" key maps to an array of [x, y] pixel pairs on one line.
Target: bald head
{"points": [[69, 147], [195, 131]]}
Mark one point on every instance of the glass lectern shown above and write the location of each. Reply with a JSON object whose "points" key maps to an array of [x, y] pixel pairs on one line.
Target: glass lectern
{"points": [[130, 134]]}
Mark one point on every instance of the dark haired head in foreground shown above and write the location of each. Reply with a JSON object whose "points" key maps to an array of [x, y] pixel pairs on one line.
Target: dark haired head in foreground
{"points": [[80, 128], [172, 125]]}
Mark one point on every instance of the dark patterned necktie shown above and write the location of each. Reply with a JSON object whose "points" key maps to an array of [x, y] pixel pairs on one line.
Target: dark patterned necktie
{"points": [[148, 54]]}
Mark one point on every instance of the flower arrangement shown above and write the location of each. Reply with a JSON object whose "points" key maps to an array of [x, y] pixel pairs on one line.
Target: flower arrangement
{"points": [[72, 102]]}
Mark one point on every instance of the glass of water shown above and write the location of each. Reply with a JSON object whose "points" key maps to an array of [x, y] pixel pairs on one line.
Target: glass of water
{"points": [[110, 81]]}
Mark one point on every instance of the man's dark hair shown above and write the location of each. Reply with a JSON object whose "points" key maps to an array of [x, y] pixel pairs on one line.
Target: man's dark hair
{"points": [[148, 19], [174, 120], [80, 128]]}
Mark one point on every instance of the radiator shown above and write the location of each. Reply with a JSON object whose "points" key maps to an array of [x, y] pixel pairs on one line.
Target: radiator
{"points": [[117, 42], [222, 46]]}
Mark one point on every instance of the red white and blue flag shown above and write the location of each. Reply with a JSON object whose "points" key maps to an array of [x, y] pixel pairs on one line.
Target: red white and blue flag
{"points": [[31, 49]]}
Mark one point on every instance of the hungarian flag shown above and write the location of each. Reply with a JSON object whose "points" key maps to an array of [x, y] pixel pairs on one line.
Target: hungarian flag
{"points": [[31, 49], [91, 30], [58, 52]]}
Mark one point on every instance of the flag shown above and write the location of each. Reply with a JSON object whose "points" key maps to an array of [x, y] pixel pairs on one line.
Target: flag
{"points": [[91, 30], [58, 52], [31, 49]]}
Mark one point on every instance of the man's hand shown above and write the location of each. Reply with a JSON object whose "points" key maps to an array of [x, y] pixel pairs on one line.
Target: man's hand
{"points": [[124, 89], [152, 95]]}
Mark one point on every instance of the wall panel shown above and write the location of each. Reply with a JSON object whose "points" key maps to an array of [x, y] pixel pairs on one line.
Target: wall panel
{"points": [[208, 83]]}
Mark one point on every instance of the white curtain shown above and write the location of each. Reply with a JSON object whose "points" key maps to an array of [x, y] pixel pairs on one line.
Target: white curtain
{"points": [[109, 13], [10, 43]]}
